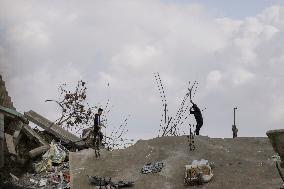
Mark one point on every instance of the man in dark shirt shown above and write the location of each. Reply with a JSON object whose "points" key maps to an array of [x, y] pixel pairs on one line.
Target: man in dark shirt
{"points": [[97, 126], [235, 131], [198, 116]]}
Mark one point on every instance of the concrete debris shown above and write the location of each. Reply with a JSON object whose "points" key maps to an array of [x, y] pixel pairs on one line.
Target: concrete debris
{"points": [[26, 145], [1, 139], [29, 131], [99, 182], [37, 151], [88, 136], [57, 176], [57, 153], [53, 128], [42, 182], [33, 181], [17, 126], [152, 167], [10, 144], [42, 153], [13, 114]]}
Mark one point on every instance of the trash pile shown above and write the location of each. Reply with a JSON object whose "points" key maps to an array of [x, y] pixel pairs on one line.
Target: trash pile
{"points": [[152, 167], [51, 172], [56, 154], [108, 183], [198, 172], [55, 177], [33, 158]]}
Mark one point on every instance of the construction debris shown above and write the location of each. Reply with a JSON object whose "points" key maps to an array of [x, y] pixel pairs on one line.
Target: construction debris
{"points": [[25, 149], [53, 178], [51, 127], [57, 153], [152, 167], [30, 132], [14, 114], [10, 144], [37, 151], [88, 136], [108, 183]]}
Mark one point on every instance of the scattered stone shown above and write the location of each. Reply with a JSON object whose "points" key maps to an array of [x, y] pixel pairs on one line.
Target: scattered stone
{"points": [[152, 167]]}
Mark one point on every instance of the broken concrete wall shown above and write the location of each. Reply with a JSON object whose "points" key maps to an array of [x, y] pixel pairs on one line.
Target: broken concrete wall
{"points": [[1, 140], [5, 101], [10, 144]]}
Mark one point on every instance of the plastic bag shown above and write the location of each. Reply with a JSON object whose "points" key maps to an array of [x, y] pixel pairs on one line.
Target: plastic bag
{"points": [[198, 172]]}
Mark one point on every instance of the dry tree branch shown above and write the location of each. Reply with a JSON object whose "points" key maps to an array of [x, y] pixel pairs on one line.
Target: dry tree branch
{"points": [[170, 125], [75, 111]]}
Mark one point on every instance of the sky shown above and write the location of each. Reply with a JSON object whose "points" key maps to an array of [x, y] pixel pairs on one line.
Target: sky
{"points": [[234, 49]]}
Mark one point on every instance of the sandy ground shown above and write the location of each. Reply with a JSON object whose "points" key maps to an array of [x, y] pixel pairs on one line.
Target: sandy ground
{"points": [[241, 163]]}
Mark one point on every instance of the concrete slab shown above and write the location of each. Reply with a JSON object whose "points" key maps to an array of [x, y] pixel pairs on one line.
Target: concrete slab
{"points": [[1, 139], [10, 144], [53, 128], [29, 131]]}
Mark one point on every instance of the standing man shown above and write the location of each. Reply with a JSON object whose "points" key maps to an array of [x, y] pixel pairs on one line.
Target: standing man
{"points": [[97, 126], [198, 116], [235, 131], [234, 127]]}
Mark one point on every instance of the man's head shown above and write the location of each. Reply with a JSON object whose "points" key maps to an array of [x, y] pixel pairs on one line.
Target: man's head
{"points": [[100, 111]]}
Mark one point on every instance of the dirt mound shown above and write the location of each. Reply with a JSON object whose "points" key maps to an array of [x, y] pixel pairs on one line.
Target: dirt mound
{"points": [[239, 163]]}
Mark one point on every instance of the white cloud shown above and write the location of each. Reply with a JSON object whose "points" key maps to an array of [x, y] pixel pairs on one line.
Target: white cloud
{"points": [[44, 44], [241, 76], [213, 79], [135, 57], [30, 32]]}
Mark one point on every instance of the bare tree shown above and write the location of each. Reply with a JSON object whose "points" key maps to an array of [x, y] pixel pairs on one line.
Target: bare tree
{"points": [[170, 125], [116, 139], [75, 111], [77, 114], [117, 136]]}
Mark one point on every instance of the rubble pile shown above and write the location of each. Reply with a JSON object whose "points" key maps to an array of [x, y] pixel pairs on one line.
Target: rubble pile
{"points": [[47, 162], [108, 183], [32, 157], [54, 177]]}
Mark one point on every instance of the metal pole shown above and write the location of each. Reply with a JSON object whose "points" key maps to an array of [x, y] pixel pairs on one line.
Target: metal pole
{"points": [[165, 113], [235, 115]]}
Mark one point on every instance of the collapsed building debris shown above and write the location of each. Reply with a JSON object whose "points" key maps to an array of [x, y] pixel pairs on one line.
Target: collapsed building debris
{"points": [[21, 148], [55, 177], [56, 130], [10, 144], [108, 183]]}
